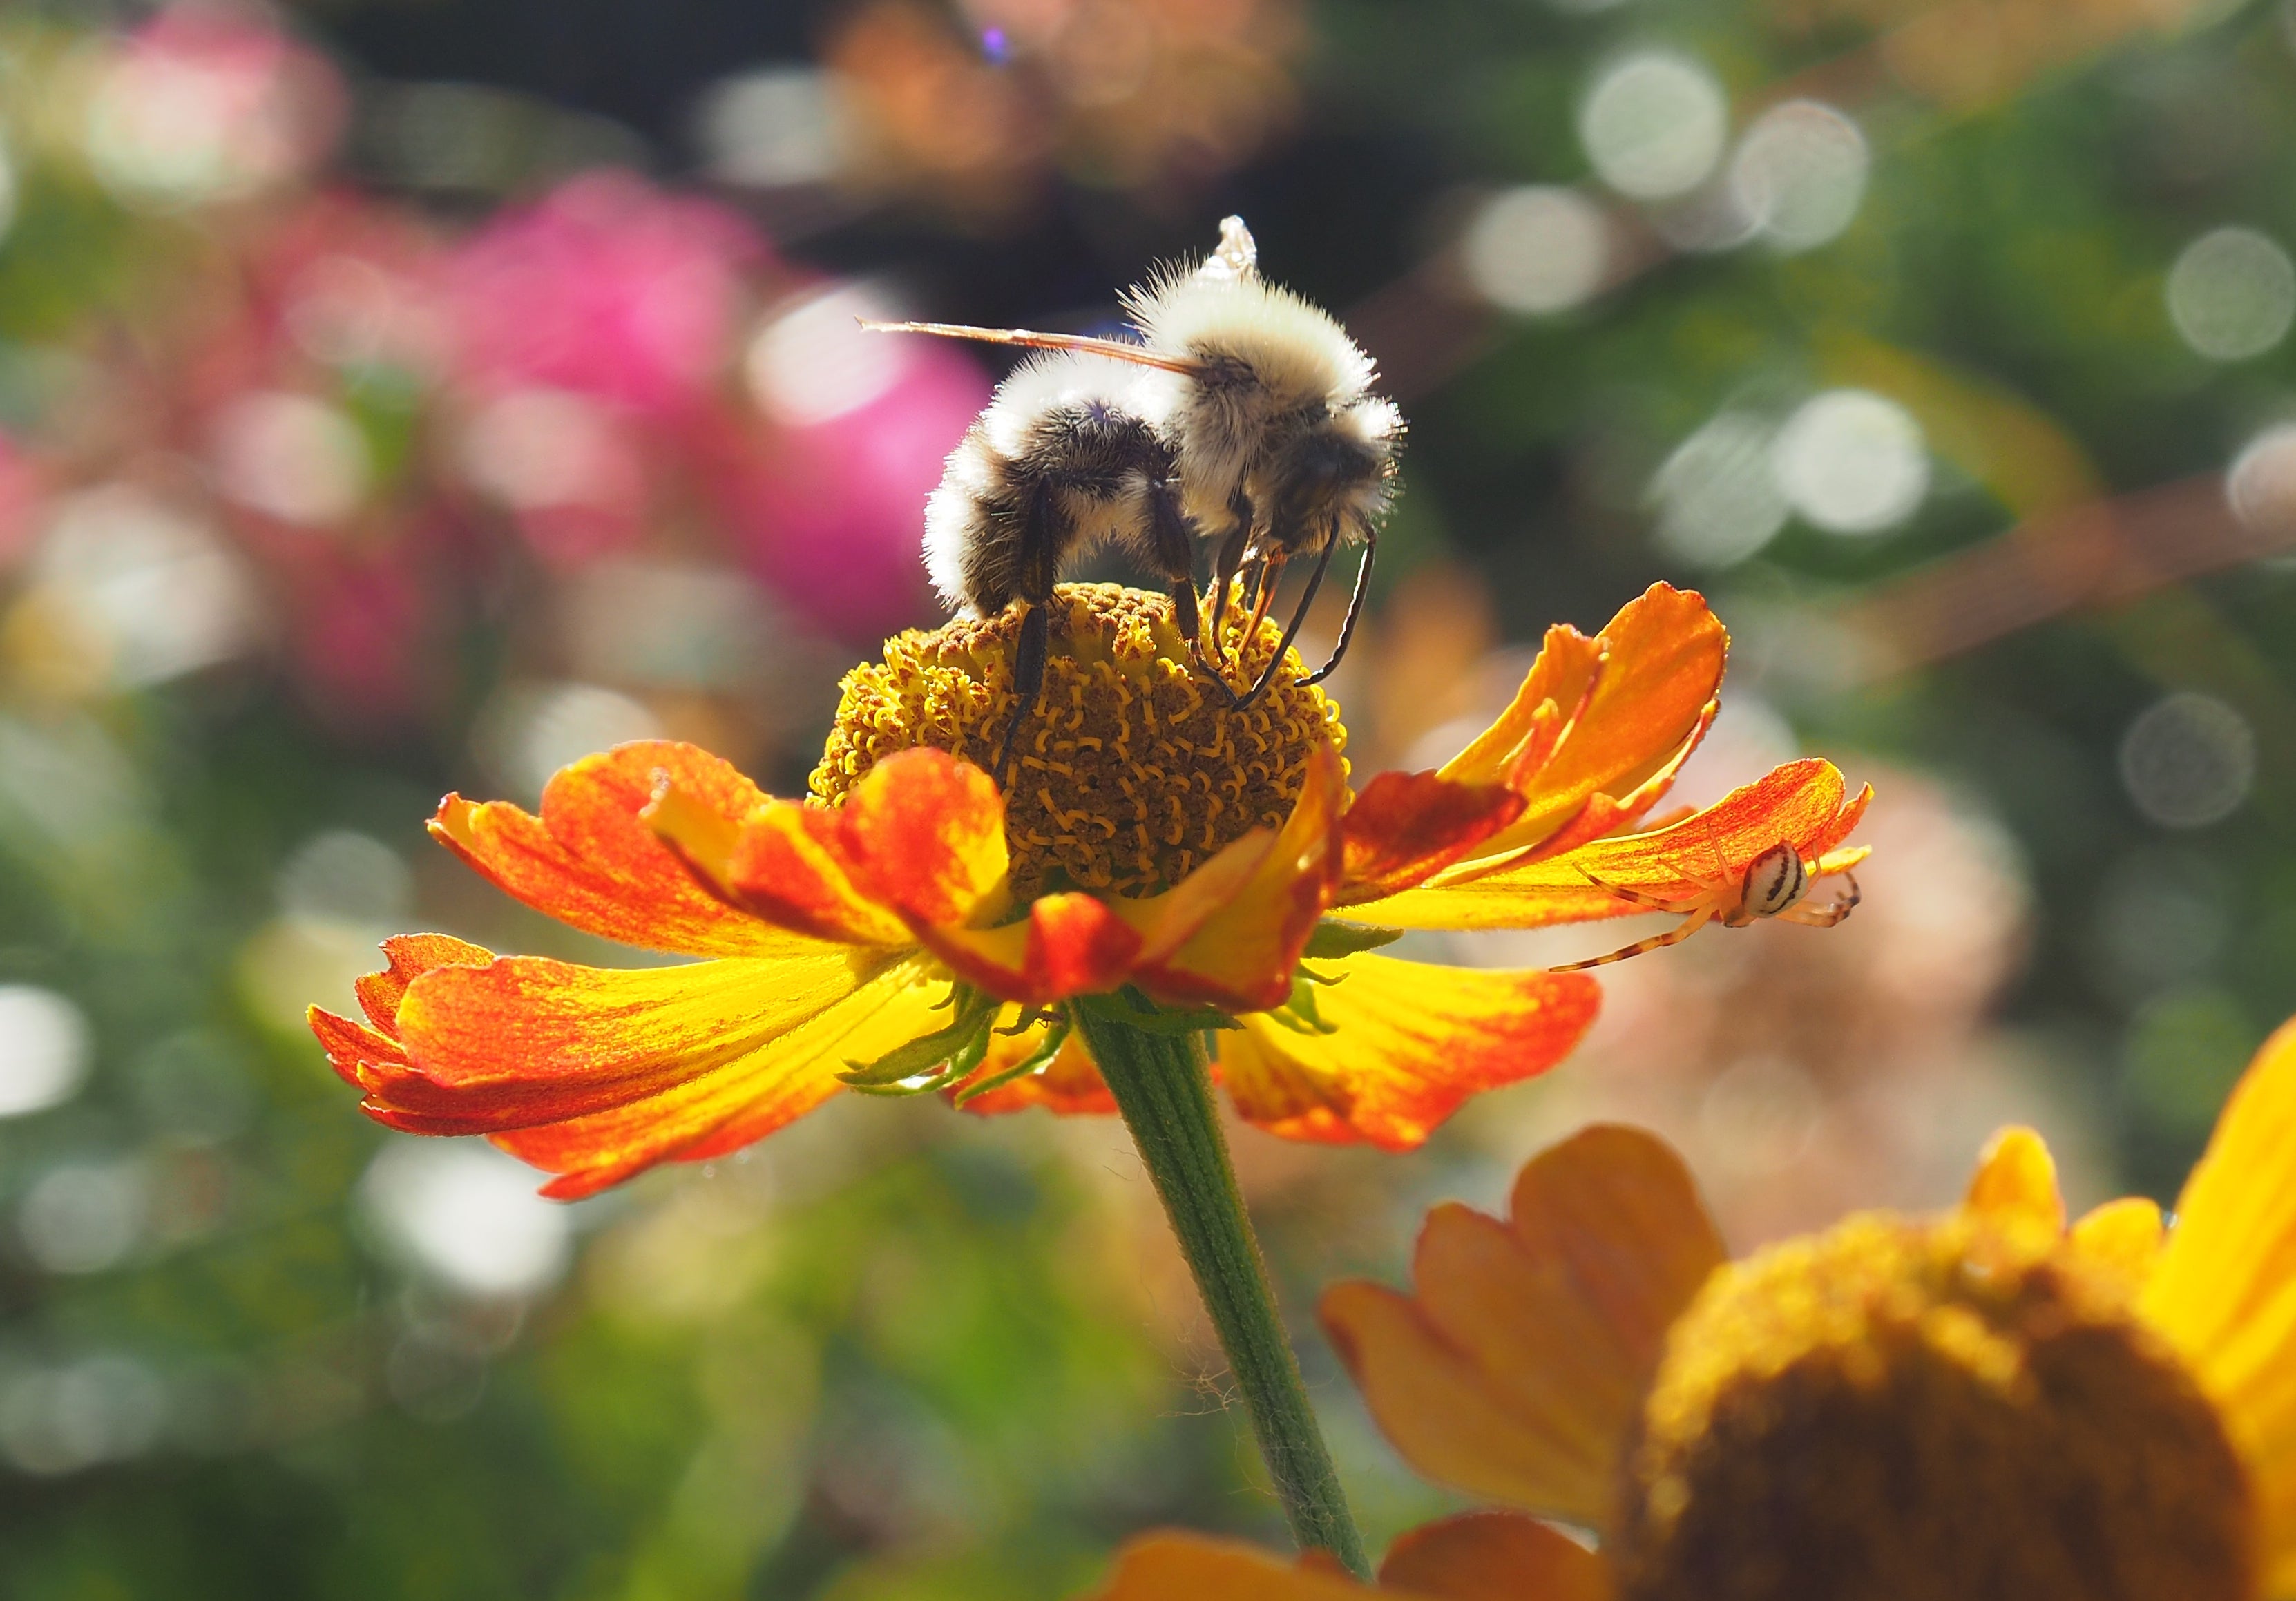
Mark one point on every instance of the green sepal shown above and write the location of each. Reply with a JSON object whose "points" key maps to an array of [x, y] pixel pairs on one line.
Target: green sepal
{"points": [[1299, 1013], [1335, 940], [968, 1034], [1135, 1010], [1055, 1037]]}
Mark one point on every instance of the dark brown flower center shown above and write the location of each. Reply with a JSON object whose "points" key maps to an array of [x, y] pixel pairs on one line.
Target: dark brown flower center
{"points": [[1927, 1412]]}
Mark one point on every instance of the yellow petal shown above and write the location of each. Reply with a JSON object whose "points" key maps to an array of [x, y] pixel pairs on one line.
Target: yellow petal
{"points": [[1494, 1557], [716, 1113], [2235, 1244], [1516, 1368], [2016, 1183], [1410, 1042], [2225, 1292]]}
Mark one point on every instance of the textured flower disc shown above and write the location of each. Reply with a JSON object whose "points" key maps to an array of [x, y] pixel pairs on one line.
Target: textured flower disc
{"points": [[1908, 1410], [1131, 771]]}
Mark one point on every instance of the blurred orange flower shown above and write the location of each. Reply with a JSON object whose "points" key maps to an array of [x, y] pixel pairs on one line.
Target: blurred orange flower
{"points": [[919, 934], [1985, 1402]]}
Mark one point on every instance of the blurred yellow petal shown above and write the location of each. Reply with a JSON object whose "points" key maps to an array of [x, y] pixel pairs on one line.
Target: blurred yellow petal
{"points": [[1516, 1367], [1175, 1567], [1494, 1557], [2124, 1236], [2016, 1182], [2225, 1292]]}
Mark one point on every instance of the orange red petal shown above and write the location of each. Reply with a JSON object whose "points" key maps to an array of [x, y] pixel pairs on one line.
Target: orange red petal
{"points": [[925, 833], [782, 862], [1635, 700], [1410, 1043], [1800, 803], [1068, 944], [1550, 699], [359, 1051], [1405, 828], [590, 860], [527, 1040], [1242, 954]]}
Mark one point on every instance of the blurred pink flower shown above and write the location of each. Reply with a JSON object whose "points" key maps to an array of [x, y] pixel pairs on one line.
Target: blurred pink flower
{"points": [[20, 489], [828, 502], [206, 102], [608, 287]]}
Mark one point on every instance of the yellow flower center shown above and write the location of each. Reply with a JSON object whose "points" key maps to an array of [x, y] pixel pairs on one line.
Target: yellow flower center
{"points": [[1912, 1410], [1131, 770]]}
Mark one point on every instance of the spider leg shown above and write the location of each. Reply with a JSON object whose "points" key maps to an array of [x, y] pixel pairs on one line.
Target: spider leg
{"points": [[1825, 916], [1674, 936], [1637, 898]]}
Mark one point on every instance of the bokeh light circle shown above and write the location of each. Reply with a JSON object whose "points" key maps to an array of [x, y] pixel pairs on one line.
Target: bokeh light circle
{"points": [[291, 457], [44, 1046], [2261, 482], [1852, 462], [2188, 760], [2232, 294], [462, 1213], [1799, 173], [1536, 249], [1654, 125], [1718, 500]]}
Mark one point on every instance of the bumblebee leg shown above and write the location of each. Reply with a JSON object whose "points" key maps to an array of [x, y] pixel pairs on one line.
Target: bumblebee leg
{"points": [[1354, 609], [1299, 616], [1674, 936], [1172, 551], [1027, 682], [1265, 575], [1230, 558]]}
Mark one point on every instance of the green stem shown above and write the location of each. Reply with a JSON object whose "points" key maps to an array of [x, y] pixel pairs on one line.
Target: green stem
{"points": [[1164, 1090]]}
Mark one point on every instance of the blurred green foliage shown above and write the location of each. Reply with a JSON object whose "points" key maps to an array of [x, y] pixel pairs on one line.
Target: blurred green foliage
{"points": [[898, 1354]]}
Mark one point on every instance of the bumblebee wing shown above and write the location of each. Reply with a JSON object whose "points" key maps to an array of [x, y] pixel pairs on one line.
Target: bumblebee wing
{"points": [[1116, 348]]}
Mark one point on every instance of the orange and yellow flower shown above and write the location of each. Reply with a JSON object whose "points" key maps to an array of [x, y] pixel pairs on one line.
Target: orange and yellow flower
{"points": [[1983, 1404], [927, 930]]}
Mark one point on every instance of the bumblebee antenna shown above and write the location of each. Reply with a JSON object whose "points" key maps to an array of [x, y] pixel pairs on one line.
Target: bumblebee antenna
{"points": [[1355, 608], [1117, 349]]}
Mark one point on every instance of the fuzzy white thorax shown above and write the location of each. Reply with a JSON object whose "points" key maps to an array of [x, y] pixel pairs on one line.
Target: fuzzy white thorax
{"points": [[1297, 354]]}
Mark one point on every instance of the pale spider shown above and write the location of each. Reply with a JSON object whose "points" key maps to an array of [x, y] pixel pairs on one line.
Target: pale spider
{"points": [[1772, 886]]}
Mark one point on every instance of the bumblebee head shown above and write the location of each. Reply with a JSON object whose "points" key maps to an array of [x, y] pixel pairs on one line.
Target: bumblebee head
{"points": [[1331, 471]]}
